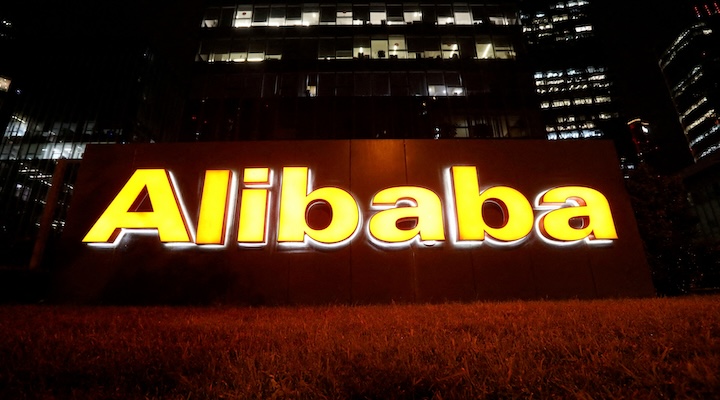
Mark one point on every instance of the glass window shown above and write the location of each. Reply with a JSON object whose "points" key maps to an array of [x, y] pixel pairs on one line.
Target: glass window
{"points": [[399, 84], [397, 46], [326, 49], [243, 16], [212, 18], [269, 83], [484, 48], [293, 15], [326, 84], [445, 15], [260, 16], [219, 51], [379, 47], [227, 16], [504, 48], [502, 15], [449, 47], [274, 49], [256, 51], [428, 14], [239, 51], [416, 84], [395, 14], [431, 47], [462, 14], [344, 84], [328, 14], [412, 14], [344, 14], [277, 16], [378, 15], [361, 14], [344, 48], [477, 15], [380, 84], [311, 15], [363, 84], [361, 47]]}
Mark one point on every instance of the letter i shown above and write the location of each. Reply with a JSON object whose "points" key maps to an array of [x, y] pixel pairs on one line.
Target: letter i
{"points": [[213, 207], [252, 227]]}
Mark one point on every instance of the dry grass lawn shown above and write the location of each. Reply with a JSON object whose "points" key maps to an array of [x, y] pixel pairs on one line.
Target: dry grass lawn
{"points": [[652, 348]]}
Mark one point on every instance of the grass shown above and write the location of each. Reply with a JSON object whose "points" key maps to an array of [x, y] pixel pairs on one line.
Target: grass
{"points": [[649, 348]]}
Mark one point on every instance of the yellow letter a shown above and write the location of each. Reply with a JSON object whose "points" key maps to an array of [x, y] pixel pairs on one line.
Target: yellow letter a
{"points": [[166, 216], [590, 207]]}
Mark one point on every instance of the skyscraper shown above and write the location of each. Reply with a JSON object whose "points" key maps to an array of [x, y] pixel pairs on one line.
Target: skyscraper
{"points": [[571, 76], [691, 65], [69, 78]]}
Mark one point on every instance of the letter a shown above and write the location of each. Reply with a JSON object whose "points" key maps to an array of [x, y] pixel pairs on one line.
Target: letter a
{"points": [[166, 216], [589, 205], [426, 210], [294, 202]]}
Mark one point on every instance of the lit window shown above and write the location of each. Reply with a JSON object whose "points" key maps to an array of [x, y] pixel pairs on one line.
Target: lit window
{"points": [[310, 15], [582, 101], [209, 23], [583, 28], [378, 16], [504, 49], [412, 14], [456, 91], [437, 90], [398, 48], [602, 99], [449, 49], [344, 15], [277, 16], [484, 49], [462, 15], [4, 84], [243, 16]]}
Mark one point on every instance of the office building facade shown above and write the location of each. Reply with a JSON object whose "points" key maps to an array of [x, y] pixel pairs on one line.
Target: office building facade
{"points": [[690, 66], [571, 76], [360, 70]]}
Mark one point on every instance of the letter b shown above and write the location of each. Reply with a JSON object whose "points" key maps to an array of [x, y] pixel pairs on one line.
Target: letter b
{"points": [[294, 202]]}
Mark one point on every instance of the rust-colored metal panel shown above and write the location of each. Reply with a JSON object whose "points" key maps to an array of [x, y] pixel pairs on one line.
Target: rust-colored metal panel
{"points": [[140, 269], [379, 275]]}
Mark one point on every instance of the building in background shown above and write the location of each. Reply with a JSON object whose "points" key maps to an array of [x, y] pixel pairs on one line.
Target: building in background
{"points": [[571, 73], [691, 65], [69, 78], [269, 70]]}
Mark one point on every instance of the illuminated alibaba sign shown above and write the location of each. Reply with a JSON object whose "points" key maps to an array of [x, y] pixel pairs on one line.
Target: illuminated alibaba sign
{"points": [[565, 215]]}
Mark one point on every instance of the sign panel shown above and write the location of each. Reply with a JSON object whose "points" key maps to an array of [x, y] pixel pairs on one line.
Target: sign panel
{"points": [[351, 221]]}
